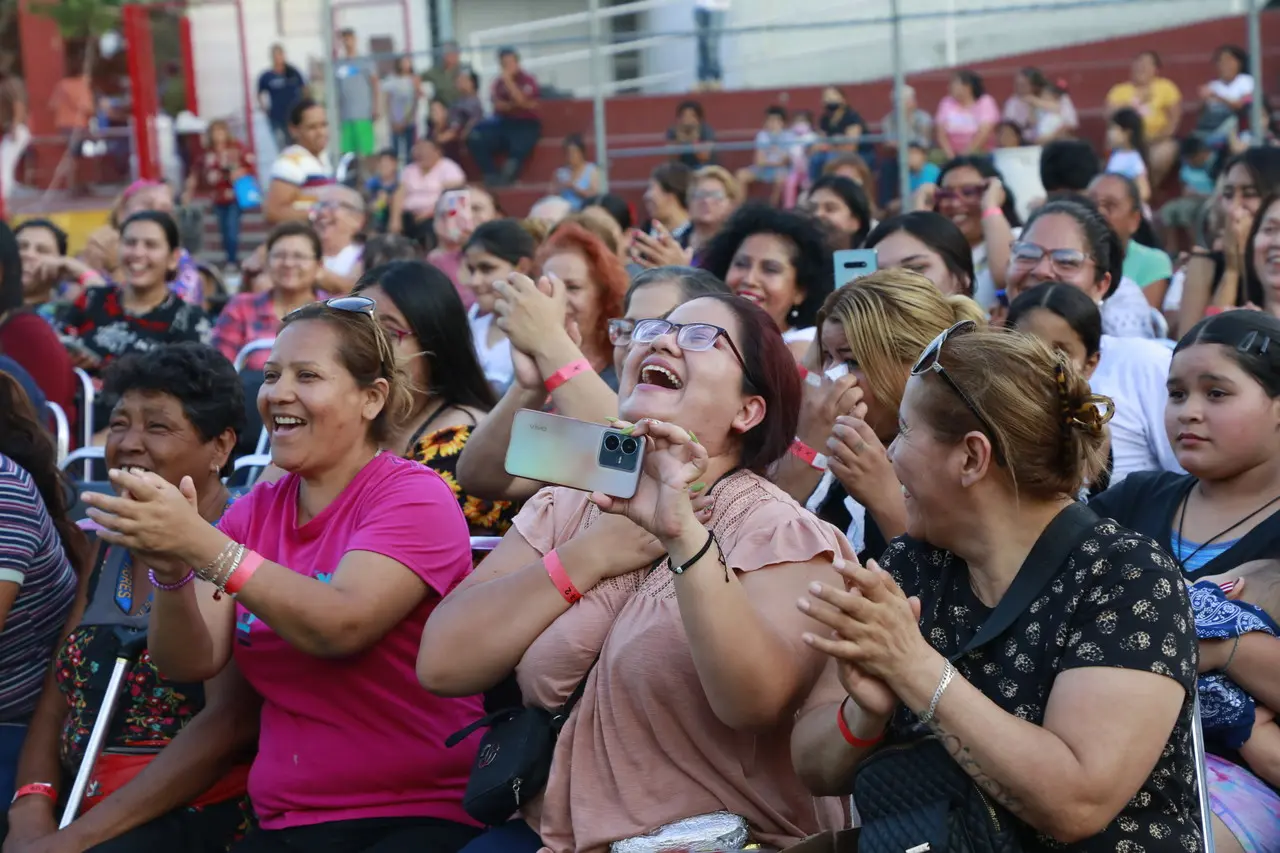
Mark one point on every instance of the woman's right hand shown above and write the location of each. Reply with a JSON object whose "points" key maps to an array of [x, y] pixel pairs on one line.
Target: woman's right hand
{"points": [[820, 405], [531, 314], [1236, 237], [926, 197]]}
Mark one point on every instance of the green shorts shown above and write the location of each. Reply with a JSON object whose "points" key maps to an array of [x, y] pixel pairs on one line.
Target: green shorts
{"points": [[357, 137]]}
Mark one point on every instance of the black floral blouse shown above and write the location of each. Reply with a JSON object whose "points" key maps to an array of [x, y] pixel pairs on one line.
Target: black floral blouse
{"points": [[1118, 602], [439, 450]]}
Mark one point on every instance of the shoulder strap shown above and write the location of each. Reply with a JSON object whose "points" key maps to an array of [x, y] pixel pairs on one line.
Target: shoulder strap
{"points": [[1046, 558], [559, 717]]}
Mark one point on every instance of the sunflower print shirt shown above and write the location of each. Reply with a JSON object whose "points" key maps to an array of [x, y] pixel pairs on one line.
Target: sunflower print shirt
{"points": [[439, 450]]}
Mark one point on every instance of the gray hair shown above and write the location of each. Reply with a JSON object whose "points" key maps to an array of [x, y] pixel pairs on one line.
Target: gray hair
{"points": [[693, 283]]}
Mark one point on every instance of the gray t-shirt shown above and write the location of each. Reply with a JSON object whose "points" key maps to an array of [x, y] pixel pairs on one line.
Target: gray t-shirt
{"points": [[355, 89], [400, 95]]}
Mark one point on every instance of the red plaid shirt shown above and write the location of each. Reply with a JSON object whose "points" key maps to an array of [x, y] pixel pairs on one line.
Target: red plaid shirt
{"points": [[248, 317]]}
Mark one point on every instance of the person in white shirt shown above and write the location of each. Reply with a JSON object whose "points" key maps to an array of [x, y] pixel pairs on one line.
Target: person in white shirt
{"points": [[1226, 97], [708, 17], [494, 251], [339, 216], [302, 169]]}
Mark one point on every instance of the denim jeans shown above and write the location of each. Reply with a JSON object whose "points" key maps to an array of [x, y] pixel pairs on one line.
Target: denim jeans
{"points": [[516, 137], [514, 836], [709, 23], [229, 227], [402, 143]]}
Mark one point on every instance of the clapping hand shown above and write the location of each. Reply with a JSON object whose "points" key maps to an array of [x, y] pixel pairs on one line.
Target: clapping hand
{"points": [[150, 516]]}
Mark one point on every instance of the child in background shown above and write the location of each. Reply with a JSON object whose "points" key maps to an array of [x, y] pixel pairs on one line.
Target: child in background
{"points": [[801, 135], [773, 155], [1128, 149], [381, 188], [1008, 135], [1182, 215], [922, 171]]}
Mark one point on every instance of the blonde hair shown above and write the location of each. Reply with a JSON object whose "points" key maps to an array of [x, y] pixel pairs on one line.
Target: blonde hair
{"points": [[732, 188], [888, 318], [592, 225], [1045, 423]]}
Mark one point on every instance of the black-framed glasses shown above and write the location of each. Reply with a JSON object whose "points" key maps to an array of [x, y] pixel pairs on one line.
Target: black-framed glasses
{"points": [[694, 337], [1063, 261], [931, 361], [620, 329]]}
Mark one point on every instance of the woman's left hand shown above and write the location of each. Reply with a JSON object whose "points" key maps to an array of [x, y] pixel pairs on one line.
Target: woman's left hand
{"points": [[531, 314], [993, 196], [673, 462], [660, 250], [150, 515]]}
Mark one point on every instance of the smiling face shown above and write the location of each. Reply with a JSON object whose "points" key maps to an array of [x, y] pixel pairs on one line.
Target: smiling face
{"points": [[881, 417], [145, 257], [483, 271], [583, 293], [927, 468], [963, 203], [1058, 334], [905, 250], [149, 430], [310, 401], [34, 246], [830, 208], [1050, 232], [650, 302], [292, 265], [762, 271], [1219, 419], [700, 391], [1266, 253], [1239, 190]]}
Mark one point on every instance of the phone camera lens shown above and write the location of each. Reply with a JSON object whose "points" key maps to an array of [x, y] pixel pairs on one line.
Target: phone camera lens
{"points": [[611, 443], [629, 446]]}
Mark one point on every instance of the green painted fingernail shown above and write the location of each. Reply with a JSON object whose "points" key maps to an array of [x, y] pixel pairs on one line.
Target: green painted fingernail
{"points": [[611, 420], [627, 430], [694, 437], [697, 487]]}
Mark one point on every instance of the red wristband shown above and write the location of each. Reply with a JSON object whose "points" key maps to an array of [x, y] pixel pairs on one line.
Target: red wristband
{"points": [[808, 455], [809, 377], [43, 789], [252, 560], [559, 577], [849, 737], [86, 276], [992, 211], [566, 373]]}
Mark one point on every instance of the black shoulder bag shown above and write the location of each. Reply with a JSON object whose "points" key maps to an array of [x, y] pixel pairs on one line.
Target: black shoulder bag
{"points": [[514, 760], [913, 795]]}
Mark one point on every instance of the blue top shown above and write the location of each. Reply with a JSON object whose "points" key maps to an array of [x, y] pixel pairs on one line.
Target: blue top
{"points": [[284, 89]]}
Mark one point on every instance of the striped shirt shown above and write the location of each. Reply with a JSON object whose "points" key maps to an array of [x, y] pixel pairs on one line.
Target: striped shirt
{"points": [[31, 556]]}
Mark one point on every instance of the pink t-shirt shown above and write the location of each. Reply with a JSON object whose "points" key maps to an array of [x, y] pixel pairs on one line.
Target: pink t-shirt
{"points": [[960, 124], [423, 189], [357, 737]]}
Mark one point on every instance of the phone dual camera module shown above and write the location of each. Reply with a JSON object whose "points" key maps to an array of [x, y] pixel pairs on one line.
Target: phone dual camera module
{"points": [[619, 452]]}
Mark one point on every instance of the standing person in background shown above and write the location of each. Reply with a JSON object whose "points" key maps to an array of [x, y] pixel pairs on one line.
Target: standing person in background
{"points": [[359, 95], [404, 93], [224, 162], [967, 117], [708, 18], [73, 112], [514, 127], [279, 88], [302, 168], [14, 133], [1159, 101], [443, 76]]}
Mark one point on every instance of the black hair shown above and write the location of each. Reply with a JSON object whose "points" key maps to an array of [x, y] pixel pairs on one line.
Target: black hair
{"points": [[811, 259], [1036, 78], [938, 233], [616, 206], [389, 152], [1262, 164], [854, 197], [172, 235], [506, 51], [984, 167], [469, 72], [1070, 303], [11, 296], [1068, 164], [384, 248], [775, 110], [1253, 291], [299, 111], [674, 178], [1009, 124], [505, 239], [1237, 53], [576, 140], [693, 283], [691, 105], [1145, 235], [1100, 238], [1155, 57], [1192, 145], [346, 31], [296, 228], [199, 377], [1252, 338], [435, 314], [59, 236], [1128, 120], [971, 79]]}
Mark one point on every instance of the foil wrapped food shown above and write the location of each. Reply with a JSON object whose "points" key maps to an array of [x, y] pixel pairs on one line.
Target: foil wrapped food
{"points": [[708, 833]]}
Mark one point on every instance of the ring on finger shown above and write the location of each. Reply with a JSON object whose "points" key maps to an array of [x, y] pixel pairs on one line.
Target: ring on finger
{"points": [[859, 447]]}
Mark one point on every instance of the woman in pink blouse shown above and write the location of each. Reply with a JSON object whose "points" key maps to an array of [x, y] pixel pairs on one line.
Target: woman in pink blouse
{"points": [[422, 183], [701, 666], [967, 117]]}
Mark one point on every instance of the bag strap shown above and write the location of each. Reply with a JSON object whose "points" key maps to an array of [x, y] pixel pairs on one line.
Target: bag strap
{"points": [[1044, 561], [561, 716]]}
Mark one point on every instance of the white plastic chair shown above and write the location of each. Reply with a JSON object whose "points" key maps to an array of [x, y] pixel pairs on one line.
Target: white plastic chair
{"points": [[88, 397], [249, 349], [1160, 324], [87, 455], [1202, 777], [62, 431], [484, 543], [256, 462]]}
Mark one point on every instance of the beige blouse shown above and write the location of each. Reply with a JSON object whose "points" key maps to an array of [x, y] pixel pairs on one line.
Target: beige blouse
{"points": [[644, 745]]}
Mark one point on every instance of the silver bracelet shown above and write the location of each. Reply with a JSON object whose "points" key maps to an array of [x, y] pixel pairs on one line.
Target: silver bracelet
{"points": [[948, 673]]}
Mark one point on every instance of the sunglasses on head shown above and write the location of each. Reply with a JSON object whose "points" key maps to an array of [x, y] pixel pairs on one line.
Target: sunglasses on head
{"points": [[366, 306], [930, 361]]}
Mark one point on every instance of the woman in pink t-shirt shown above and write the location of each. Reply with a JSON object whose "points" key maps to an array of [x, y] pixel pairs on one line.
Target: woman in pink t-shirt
{"points": [[967, 117], [320, 584], [701, 663]]}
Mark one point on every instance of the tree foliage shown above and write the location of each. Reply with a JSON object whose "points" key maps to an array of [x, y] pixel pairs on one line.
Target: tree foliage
{"points": [[80, 19]]}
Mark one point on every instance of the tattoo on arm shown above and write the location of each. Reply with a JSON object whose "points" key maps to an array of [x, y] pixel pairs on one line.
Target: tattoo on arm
{"points": [[963, 757]]}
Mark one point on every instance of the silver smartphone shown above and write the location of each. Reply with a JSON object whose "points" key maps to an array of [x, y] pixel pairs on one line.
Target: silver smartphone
{"points": [[853, 264], [578, 454]]}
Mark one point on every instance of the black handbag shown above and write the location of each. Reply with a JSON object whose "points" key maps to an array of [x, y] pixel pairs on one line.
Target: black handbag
{"points": [[514, 760], [913, 793]]}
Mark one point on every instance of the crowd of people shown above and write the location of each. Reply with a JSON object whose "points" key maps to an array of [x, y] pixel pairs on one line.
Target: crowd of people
{"points": [[934, 525]]}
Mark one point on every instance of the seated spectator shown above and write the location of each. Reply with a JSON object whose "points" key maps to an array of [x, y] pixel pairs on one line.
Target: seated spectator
{"points": [[1182, 216], [614, 206], [423, 315], [1159, 102], [452, 231], [339, 217], [25, 337], [967, 117], [713, 198], [691, 131], [839, 129], [301, 169], [39, 402], [779, 260], [578, 179], [381, 188], [740, 711], [223, 162], [138, 197], [1226, 98], [464, 114], [437, 122], [514, 128], [1128, 150], [841, 205], [48, 275], [922, 170], [422, 183], [1008, 135], [549, 211], [852, 166], [384, 248], [172, 769], [293, 268], [1068, 166], [772, 155], [1118, 199], [1082, 774], [666, 200], [494, 251], [330, 587], [1261, 269], [655, 293], [927, 243], [41, 552], [1041, 110]]}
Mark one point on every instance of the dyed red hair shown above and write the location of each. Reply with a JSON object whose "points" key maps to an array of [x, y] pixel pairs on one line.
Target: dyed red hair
{"points": [[604, 269]]}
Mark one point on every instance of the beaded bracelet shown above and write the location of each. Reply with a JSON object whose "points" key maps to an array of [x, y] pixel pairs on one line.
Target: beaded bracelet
{"points": [[170, 587]]}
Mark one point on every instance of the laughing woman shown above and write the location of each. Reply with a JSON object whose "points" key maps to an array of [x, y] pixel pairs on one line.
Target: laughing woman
{"points": [[320, 584]]}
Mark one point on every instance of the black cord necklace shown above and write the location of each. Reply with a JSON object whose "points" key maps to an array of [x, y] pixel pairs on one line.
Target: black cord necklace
{"points": [[1182, 517]]}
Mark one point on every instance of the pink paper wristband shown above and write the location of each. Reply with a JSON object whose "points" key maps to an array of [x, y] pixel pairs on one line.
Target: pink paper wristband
{"points": [[566, 373], [249, 565], [559, 577]]}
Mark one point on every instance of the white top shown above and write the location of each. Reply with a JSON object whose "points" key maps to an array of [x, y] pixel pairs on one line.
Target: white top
{"points": [[298, 166], [1127, 163], [713, 5], [1237, 90], [344, 263], [805, 335], [1133, 372], [984, 286], [857, 532], [496, 359], [1127, 313]]}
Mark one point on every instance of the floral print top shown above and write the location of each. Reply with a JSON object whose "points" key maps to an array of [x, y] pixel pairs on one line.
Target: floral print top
{"points": [[439, 450]]}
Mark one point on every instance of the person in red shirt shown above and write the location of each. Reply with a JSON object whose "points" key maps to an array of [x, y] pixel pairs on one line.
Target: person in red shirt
{"points": [[223, 162], [514, 128], [26, 337]]}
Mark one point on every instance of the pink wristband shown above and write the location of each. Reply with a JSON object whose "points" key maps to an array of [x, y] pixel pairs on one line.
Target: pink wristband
{"points": [[559, 577], [566, 373], [992, 211], [249, 565]]}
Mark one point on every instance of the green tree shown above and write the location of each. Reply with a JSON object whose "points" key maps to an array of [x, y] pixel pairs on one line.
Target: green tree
{"points": [[81, 20]]}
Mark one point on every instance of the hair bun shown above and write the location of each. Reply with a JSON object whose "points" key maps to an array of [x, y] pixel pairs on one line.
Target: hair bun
{"points": [[1081, 409]]}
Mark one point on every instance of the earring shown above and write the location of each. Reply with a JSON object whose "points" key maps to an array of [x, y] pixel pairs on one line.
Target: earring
{"points": [[794, 313]]}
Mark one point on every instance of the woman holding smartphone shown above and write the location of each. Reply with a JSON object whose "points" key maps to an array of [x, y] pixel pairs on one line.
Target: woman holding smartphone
{"points": [[698, 666]]}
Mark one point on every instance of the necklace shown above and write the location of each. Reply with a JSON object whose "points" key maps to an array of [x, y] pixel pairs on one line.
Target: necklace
{"points": [[1182, 517]]}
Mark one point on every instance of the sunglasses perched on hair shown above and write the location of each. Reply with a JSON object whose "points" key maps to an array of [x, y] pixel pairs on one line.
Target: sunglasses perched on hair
{"points": [[930, 362], [694, 337], [366, 306], [1063, 261]]}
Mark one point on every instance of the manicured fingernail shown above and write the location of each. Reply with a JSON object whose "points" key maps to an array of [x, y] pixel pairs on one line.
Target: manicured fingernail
{"points": [[627, 430], [694, 437], [803, 603], [815, 587], [611, 420], [697, 487]]}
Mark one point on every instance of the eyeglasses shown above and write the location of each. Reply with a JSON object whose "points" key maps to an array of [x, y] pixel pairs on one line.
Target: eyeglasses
{"points": [[694, 337], [290, 257], [366, 306], [323, 206], [708, 195], [930, 361], [1063, 261], [620, 329]]}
